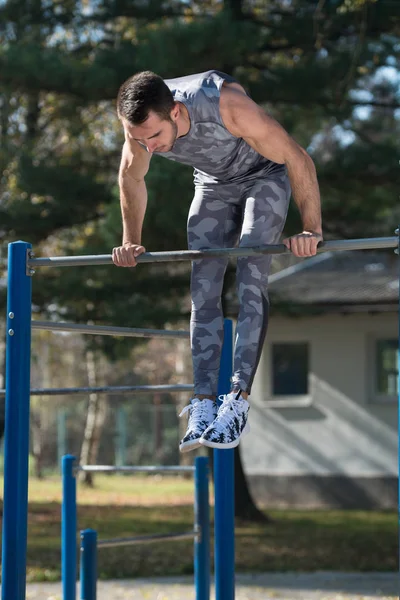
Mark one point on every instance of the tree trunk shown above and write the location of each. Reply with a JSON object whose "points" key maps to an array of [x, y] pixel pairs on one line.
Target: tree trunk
{"points": [[234, 7], [96, 415], [158, 427], [32, 118], [245, 507], [185, 458], [4, 125], [37, 444]]}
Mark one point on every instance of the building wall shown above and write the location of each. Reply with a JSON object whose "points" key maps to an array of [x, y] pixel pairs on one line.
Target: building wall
{"points": [[340, 450]]}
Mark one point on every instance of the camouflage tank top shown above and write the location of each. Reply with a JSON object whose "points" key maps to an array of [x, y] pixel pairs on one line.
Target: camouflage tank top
{"points": [[216, 155]]}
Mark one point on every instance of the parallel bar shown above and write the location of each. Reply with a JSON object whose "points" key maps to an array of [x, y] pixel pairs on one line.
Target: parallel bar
{"points": [[16, 442], [146, 539], [224, 490], [106, 330], [128, 389], [202, 526], [68, 529], [134, 469], [88, 573], [182, 255]]}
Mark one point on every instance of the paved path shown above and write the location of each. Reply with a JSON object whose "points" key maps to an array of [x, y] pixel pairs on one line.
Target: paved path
{"points": [[266, 586]]}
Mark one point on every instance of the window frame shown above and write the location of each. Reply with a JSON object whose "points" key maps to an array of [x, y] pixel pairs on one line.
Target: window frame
{"points": [[376, 397], [302, 398]]}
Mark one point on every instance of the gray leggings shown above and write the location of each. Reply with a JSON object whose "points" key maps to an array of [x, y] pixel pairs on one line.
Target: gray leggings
{"points": [[223, 216]]}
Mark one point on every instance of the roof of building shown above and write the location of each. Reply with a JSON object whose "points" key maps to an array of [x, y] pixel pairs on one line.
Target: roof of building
{"points": [[344, 279], [337, 282]]}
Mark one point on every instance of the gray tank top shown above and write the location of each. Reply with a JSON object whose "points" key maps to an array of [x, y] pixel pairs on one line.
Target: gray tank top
{"points": [[216, 155]]}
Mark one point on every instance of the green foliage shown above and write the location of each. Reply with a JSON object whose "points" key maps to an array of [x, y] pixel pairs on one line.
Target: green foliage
{"points": [[208, 41]]}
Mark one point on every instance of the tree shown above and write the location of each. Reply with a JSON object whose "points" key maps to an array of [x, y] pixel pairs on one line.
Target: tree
{"points": [[96, 415]]}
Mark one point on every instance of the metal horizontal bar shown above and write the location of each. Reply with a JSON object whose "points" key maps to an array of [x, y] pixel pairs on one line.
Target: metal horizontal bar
{"points": [[137, 469], [128, 389], [146, 539], [109, 330], [181, 255]]}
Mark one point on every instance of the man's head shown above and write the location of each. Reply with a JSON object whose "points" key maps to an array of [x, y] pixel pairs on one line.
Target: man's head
{"points": [[148, 112]]}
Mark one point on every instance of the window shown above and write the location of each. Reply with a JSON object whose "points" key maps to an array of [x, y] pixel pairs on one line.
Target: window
{"points": [[387, 367], [290, 369]]}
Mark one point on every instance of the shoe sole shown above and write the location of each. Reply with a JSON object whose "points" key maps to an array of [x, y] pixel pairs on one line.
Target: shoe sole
{"points": [[188, 446], [228, 445]]}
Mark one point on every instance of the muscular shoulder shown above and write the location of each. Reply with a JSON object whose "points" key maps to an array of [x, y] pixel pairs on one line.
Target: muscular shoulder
{"points": [[236, 105], [135, 160]]}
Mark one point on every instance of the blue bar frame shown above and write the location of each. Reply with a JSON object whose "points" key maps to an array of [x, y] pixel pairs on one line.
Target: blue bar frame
{"points": [[68, 529], [224, 490], [202, 526], [88, 564], [16, 436], [16, 465]]}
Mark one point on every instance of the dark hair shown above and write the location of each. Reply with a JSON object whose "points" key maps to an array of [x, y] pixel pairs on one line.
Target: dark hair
{"points": [[142, 93]]}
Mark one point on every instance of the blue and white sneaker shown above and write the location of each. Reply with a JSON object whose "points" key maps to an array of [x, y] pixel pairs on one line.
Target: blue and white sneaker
{"points": [[201, 414], [229, 425]]}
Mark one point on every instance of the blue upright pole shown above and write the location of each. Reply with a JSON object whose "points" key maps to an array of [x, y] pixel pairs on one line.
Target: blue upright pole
{"points": [[398, 379], [68, 529], [224, 509], [202, 526], [16, 442], [88, 564]]}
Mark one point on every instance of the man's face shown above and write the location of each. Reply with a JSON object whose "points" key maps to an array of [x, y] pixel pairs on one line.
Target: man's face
{"points": [[155, 134]]}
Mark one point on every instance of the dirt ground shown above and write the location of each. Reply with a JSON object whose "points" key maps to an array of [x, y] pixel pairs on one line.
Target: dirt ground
{"points": [[266, 586]]}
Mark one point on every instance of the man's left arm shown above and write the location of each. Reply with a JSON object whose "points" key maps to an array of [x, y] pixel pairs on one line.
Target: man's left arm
{"points": [[245, 119]]}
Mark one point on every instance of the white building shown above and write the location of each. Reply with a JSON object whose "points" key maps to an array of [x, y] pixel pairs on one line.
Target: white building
{"points": [[324, 402]]}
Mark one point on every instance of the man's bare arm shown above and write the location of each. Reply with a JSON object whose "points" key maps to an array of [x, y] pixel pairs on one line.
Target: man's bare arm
{"points": [[245, 119], [133, 193], [133, 197]]}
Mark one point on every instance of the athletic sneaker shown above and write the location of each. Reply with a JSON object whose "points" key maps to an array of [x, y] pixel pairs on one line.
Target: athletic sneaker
{"points": [[201, 414], [230, 423]]}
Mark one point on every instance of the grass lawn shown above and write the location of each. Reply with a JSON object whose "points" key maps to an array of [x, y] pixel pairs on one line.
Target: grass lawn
{"points": [[122, 506]]}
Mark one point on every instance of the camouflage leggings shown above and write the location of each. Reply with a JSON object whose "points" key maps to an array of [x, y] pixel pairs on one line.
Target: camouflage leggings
{"points": [[248, 214]]}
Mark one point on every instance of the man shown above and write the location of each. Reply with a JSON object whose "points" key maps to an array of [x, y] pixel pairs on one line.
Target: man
{"points": [[245, 166]]}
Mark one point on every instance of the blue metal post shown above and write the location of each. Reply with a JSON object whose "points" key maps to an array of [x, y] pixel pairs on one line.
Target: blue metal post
{"points": [[68, 529], [224, 509], [16, 443], [88, 564], [398, 379], [202, 526]]}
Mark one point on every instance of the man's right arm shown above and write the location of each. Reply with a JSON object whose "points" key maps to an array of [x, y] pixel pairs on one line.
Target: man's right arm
{"points": [[133, 195]]}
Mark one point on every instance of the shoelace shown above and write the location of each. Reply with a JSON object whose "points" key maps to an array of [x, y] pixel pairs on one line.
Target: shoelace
{"points": [[200, 412], [226, 407], [185, 410]]}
